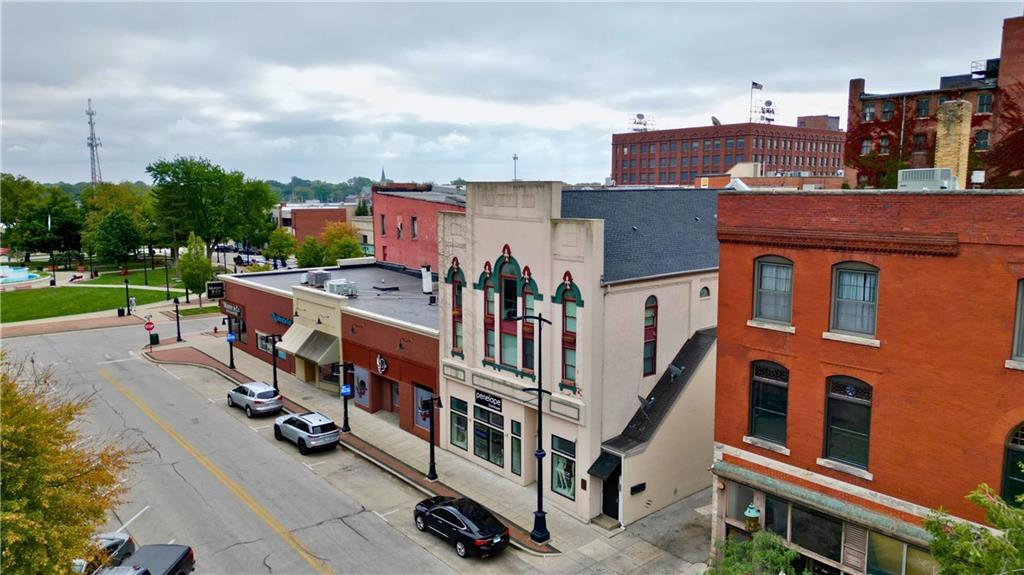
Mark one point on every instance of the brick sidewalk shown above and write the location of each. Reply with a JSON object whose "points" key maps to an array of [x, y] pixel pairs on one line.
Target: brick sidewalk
{"points": [[67, 325], [188, 355]]}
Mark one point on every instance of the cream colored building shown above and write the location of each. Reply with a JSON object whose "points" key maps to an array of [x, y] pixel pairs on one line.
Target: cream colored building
{"points": [[628, 280]]}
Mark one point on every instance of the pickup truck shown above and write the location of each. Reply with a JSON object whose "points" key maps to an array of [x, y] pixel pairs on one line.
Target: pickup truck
{"points": [[156, 560]]}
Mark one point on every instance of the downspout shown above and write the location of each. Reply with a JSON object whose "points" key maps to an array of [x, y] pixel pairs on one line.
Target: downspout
{"points": [[903, 122]]}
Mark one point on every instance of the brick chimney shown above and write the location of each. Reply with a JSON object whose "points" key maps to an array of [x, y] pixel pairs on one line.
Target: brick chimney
{"points": [[953, 138]]}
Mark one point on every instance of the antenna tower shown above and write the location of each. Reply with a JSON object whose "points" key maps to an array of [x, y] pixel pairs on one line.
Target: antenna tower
{"points": [[94, 147]]}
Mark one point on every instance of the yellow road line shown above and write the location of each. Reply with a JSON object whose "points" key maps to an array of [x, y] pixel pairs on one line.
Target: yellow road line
{"points": [[229, 483]]}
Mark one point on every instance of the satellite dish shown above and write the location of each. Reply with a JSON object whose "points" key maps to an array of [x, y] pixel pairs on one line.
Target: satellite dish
{"points": [[716, 121], [639, 116], [768, 103]]}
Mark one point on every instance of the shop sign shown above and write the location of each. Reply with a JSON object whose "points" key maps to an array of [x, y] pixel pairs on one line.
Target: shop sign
{"points": [[276, 318], [231, 309], [382, 364], [487, 400], [214, 290]]}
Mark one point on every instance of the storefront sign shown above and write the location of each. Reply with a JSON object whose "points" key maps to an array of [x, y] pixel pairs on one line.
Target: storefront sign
{"points": [[362, 390], [214, 290], [231, 309], [382, 364], [274, 317], [487, 400]]}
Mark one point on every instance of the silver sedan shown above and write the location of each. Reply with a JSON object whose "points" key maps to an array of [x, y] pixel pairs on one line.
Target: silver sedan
{"points": [[255, 398]]}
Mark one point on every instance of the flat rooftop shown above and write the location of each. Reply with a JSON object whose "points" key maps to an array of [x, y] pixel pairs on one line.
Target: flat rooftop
{"points": [[407, 303]]}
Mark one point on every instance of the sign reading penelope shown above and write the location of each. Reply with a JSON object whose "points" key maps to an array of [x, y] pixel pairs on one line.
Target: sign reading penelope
{"points": [[487, 400]]}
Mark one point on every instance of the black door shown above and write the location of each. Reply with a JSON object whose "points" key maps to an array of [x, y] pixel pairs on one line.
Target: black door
{"points": [[610, 503]]}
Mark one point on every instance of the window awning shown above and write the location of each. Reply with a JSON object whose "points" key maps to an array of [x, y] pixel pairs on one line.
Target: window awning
{"points": [[320, 348], [605, 465], [293, 339]]}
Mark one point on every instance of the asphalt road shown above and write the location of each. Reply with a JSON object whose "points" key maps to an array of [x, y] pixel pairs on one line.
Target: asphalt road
{"points": [[203, 478]]}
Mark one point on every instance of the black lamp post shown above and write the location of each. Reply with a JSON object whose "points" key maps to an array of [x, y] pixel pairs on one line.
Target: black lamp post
{"points": [[274, 338], [540, 532], [177, 318], [231, 341], [127, 299], [348, 368], [53, 269], [428, 406], [167, 279]]}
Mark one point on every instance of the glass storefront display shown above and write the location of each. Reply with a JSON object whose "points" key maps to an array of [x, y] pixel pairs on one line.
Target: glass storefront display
{"points": [[817, 532], [738, 497], [517, 448], [488, 437], [459, 435], [423, 416], [563, 467]]}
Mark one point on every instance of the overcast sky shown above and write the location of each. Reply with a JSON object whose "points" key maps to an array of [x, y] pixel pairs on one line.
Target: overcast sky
{"points": [[433, 92]]}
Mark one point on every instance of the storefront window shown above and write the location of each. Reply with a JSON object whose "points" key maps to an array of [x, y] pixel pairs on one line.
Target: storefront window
{"points": [[776, 515], [423, 416], [330, 373], [563, 467], [362, 385], [517, 448], [459, 434], [888, 556], [920, 562], [816, 532], [488, 438]]}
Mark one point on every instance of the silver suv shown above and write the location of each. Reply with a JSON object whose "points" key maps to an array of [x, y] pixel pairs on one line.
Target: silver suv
{"points": [[308, 430], [255, 398]]}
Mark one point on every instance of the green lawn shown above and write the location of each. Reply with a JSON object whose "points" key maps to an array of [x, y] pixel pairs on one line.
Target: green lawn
{"points": [[52, 302], [200, 310], [156, 278]]}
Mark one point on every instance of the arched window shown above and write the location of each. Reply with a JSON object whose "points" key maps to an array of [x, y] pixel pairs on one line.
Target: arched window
{"points": [[1013, 474], [848, 421], [508, 278], [650, 335], [773, 289], [457, 279], [568, 294], [981, 140], [488, 319], [854, 298], [528, 349], [769, 400], [705, 292]]}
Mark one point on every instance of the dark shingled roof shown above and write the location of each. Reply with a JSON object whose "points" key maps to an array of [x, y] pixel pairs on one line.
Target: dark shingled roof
{"points": [[650, 231], [642, 426]]}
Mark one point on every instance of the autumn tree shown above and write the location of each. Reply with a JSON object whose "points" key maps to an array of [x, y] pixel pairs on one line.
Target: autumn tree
{"points": [[195, 267], [58, 483], [963, 548], [340, 241]]}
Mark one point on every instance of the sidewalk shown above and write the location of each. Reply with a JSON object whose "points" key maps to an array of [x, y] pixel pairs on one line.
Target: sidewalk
{"points": [[575, 546]]}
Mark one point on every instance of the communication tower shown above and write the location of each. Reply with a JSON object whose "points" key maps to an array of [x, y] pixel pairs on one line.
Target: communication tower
{"points": [[94, 147]]}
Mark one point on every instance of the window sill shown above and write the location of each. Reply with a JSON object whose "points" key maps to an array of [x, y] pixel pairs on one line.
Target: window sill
{"points": [[458, 353], [845, 468], [765, 444], [490, 363], [855, 339], [1014, 364], [565, 385], [761, 324]]}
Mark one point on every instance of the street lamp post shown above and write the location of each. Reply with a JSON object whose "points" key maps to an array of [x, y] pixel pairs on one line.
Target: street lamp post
{"points": [[167, 279], [127, 299], [177, 318], [231, 342], [540, 532], [348, 368], [92, 272], [274, 338], [428, 406], [53, 269]]}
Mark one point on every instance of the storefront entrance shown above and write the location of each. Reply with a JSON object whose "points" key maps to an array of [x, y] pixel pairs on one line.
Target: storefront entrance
{"points": [[610, 494]]}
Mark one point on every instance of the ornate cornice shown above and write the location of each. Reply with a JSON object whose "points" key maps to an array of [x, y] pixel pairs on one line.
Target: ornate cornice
{"points": [[941, 244]]}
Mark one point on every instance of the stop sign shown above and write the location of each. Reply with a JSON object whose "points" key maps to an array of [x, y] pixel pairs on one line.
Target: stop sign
{"points": [[149, 326]]}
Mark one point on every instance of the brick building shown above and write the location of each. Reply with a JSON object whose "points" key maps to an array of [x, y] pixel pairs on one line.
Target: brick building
{"points": [[678, 156], [888, 131], [897, 321], [309, 219], [405, 221]]}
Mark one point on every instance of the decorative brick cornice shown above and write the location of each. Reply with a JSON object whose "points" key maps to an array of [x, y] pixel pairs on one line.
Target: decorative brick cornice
{"points": [[942, 244]]}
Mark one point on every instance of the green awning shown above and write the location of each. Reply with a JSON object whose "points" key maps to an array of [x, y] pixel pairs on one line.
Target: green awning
{"points": [[320, 348], [605, 465]]}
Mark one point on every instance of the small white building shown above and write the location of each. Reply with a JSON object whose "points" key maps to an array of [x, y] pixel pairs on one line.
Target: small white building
{"points": [[628, 280]]}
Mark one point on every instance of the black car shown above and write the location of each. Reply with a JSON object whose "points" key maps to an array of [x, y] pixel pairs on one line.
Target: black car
{"points": [[157, 560], [462, 522]]}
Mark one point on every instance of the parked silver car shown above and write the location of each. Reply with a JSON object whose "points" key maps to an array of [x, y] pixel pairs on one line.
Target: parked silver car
{"points": [[255, 398], [308, 430]]}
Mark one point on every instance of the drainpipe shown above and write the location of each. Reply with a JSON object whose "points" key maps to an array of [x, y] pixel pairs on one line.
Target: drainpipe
{"points": [[903, 122]]}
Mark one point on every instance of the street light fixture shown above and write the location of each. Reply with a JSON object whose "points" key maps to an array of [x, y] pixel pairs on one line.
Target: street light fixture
{"points": [[127, 299], [347, 384], [540, 532], [177, 318], [428, 406], [274, 338], [231, 341]]}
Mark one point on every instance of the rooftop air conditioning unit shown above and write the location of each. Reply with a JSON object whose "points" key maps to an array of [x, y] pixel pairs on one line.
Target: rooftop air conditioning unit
{"points": [[926, 179], [342, 287], [317, 278]]}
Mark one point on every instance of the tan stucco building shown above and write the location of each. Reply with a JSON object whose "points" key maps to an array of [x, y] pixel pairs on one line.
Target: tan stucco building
{"points": [[628, 280]]}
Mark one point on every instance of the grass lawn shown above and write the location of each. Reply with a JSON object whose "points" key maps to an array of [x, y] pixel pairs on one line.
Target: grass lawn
{"points": [[156, 279], [201, 310], [52, 302]]}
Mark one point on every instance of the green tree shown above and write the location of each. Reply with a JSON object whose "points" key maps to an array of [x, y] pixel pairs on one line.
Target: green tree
{"points": [[192, 196], [58, 484], [249, 206], [311, 253], [963, 548], [459, 182], [342, 249], [362, 209], [766, 554], [107, 197], [280, 246], [117, 237], [195, 267], [19, 195], [52, 223]]}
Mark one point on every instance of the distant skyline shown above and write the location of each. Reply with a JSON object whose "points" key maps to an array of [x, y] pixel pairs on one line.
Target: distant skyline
{"points": [[434, 92]]}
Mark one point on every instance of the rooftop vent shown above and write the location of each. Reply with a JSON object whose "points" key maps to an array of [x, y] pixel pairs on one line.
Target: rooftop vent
{"points": [[926, 179], [343, 287], [317, 278]]}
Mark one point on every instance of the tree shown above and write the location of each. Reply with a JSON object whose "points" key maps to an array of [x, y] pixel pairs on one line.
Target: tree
{"points": [[58, 484], [459, 182], [249, 206], [766, 554], [311, 253], [19, 194], [192, 196], [340, 241], [107, 197], [280, 246], [195, 267], [962, 548], [117, 237], [362, 209], [51, 222]]}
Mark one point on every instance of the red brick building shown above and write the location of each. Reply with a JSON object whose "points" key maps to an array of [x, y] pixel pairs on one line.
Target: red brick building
{"points": [[258, 312], [870, 367], [405, 221], [309, 220], [888, 131], [678, 156]]}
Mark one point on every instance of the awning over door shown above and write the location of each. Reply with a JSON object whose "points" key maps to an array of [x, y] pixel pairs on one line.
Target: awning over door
{"points": [[605, 465], [293, 339], [320, 348]]}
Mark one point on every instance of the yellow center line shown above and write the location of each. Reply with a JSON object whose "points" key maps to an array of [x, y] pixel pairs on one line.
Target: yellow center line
{"points": [[229, 483]]}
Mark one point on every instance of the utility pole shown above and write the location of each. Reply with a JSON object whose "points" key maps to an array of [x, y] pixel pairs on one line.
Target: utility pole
{"points": [[94, 147], [515, 165]]}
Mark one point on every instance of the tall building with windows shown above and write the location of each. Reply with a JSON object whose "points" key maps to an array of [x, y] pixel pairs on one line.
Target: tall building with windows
{"points": [[405, 221], [679, 156], [626, 362], [870, 367], [889, 131]]}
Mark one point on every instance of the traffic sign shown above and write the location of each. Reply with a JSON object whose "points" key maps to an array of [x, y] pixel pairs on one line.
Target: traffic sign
{"points": [[149, 326], [231, 337]]}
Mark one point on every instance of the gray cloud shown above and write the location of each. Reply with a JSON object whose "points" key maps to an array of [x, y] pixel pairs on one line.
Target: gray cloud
{"points": [[435, 91]]}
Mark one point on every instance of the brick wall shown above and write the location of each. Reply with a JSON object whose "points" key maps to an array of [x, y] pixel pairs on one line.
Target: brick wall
{"points": [[259, 308], [308, 222], [412, 252]]}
